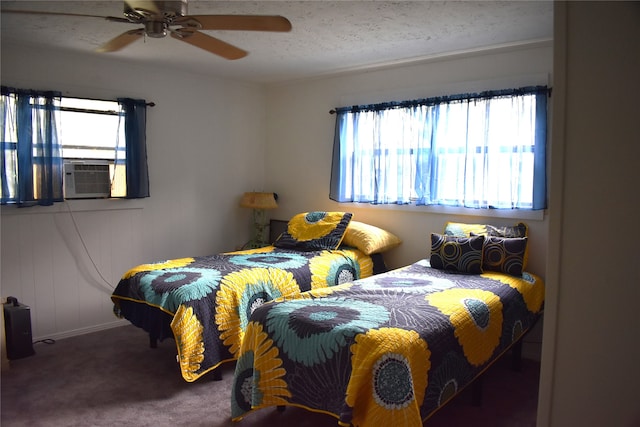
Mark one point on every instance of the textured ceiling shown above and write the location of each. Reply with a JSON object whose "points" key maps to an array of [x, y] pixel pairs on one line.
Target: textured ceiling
{"points": [[327, 36]]}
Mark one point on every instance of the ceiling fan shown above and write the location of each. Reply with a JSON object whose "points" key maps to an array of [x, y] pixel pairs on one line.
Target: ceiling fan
{"points": [[160, 18]]}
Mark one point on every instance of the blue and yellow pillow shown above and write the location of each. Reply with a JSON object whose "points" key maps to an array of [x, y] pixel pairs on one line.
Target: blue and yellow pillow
{"points": [[457, 254], [313, 231]]}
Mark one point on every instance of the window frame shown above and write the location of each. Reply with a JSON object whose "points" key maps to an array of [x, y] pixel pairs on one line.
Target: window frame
{"points": [[116, 161], [120, 138], [31, 157], [538, 135]]}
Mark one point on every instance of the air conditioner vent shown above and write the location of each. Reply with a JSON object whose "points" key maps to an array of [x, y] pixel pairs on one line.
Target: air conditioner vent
{"points": [[86, 180]]}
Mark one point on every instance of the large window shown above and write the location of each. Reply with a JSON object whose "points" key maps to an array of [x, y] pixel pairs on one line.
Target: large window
{"points": [[482, 150], [52, 145]]}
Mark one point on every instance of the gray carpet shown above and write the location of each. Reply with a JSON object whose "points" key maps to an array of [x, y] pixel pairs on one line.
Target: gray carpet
{"points": [[112, 378]]}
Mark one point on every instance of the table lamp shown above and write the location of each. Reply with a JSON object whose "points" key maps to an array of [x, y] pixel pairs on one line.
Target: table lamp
{"points": [[259, 202]]}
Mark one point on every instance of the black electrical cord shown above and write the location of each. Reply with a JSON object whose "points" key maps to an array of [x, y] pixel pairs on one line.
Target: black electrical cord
{"points": [[45, 341]]}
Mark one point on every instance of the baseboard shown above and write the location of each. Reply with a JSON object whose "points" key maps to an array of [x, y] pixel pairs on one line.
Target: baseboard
{"points": [[532, 350], [83, 331], [3, 344], [532, 341]]}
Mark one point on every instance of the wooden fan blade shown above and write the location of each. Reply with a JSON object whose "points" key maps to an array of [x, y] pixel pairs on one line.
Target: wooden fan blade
{"points": [[121, 41], [210, 44], [238, 22], [34, 12], [77, 15]]}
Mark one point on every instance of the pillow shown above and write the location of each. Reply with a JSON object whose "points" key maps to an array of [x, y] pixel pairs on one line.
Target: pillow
{"points": [[313, 231], [504, 254], [460, 254], [369, 239], [464, 230], [518, 230], [460, 229]]}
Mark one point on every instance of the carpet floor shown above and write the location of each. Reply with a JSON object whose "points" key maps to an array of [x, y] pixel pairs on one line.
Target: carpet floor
{"points": [[112, 377]]}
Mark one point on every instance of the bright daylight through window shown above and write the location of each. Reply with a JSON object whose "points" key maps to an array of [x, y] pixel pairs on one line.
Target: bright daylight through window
{"points": [[483, 151], [55, 148], [93, 146]]}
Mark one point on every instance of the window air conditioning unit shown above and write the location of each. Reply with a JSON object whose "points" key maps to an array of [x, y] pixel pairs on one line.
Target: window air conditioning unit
{"points": [[86, 180]]}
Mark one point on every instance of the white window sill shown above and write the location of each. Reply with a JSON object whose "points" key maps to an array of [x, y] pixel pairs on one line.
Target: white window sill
{"points": [[75, 205], [522, 214]]}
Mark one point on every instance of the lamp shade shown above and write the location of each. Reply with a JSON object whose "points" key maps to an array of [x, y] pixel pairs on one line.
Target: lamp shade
{"points": [[258, 201]]}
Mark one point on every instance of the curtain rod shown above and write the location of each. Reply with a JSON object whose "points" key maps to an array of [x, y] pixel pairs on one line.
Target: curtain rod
{"points": [[458, 97], [8, 88]]}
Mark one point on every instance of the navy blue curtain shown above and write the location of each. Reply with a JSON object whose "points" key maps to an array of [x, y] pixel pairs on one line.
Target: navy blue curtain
{"points": [[540, 155], [31, 159], [135, 125]]}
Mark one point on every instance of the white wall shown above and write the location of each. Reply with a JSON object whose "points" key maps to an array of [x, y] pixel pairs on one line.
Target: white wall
{"points": [[590, 365], [206, 144]]}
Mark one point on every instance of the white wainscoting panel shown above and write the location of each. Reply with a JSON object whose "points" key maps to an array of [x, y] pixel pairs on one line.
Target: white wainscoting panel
{"points": [[48, 257]]}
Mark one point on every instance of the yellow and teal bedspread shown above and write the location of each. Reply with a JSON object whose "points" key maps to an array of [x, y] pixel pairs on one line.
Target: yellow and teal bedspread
{"points": [[208, 300], [387, 350]]}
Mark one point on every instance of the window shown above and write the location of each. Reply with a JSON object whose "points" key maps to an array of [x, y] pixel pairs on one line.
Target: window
{"points": [[90, 150], [42, 131], [482, 150]]}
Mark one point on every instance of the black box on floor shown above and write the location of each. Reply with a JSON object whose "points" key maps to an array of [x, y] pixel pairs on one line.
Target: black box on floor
{"points": [[17, 327]]}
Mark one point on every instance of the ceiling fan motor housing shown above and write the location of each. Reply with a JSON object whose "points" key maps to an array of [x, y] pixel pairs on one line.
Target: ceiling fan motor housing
{"points": [[156, 16], [156, 29], [145, 9]]}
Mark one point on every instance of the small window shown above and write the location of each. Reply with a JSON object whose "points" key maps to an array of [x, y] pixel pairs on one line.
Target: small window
{"points": [[87, 150], [49, 142]]}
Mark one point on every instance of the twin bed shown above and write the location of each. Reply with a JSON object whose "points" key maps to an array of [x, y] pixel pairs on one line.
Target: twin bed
{"points": [[392, 348], [204, 303], [369, 349]]}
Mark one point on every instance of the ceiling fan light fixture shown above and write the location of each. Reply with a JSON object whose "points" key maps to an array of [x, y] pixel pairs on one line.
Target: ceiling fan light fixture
{"points": [[155, 29]]}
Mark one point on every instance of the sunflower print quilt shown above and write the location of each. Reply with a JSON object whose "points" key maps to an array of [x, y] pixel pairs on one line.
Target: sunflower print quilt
{"points": [[211, 298], [387, 350]]}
